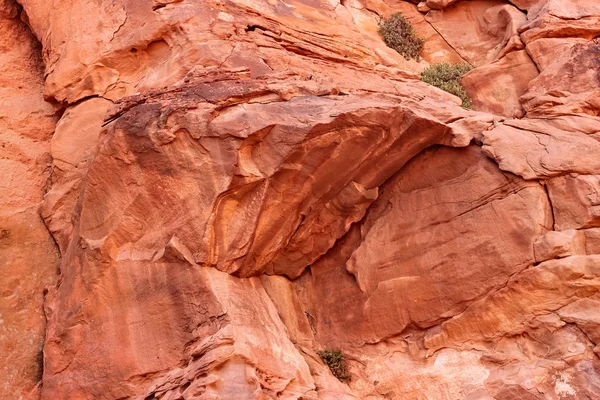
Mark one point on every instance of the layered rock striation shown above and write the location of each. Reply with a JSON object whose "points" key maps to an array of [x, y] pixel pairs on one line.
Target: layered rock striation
{"points": [[228, 187]]}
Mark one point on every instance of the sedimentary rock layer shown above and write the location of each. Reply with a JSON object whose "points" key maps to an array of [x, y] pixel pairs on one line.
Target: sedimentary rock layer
{"points": [[228, 187]]}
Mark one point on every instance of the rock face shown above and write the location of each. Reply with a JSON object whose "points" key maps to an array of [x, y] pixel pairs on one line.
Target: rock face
{"points": [[28, 255], [228, 187]]}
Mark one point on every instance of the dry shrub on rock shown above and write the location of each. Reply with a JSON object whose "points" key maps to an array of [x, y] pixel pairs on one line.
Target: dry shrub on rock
{"points": [[447, 77], [397, 32]]}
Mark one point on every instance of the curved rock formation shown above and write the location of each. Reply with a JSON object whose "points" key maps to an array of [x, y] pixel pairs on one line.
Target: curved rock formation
{"points": [[228, 187]]}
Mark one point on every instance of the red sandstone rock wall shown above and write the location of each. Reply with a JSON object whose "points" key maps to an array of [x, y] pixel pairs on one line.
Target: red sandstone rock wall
{"points": [[28, 255], [227, 187]]}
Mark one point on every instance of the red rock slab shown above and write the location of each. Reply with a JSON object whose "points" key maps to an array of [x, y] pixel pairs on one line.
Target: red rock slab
{"points": [[592, 240], [336, 305], [28, 255], [584, 313], [561, 19], [537, 290], [532, 6], [551, 355], [73, 146], [575, 201], [440, 4], [410, 246], [273, 147], [536, 149], [497, 87], [225, 171], [480, 31], [167, 329], [142, 46], [558, 244], [574, 72], [267, 173], [581, 108], [545, 52], [428, 246], [389, 368]]}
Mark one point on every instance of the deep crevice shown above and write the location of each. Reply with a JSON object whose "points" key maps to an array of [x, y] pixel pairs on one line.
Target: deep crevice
{"points": [[544, 184], [252, 28]]}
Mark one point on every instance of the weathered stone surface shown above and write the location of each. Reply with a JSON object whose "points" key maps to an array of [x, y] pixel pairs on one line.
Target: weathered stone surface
{"points": [[165, 162], [409, 257], [480, 31], [535, 291], [534, 149], [527, 304], [574, 72], [575, 200], [558, 244], [423, 7], [73, 146], [28, 257], [419, 254], [592, 240], [450, 373], [562, 18], [236, 185], [142, 46], [244, 174], [547, 51], [585, 314], [200, 323], [498, 86]]}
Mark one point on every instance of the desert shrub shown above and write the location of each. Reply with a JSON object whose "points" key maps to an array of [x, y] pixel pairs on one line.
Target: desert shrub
{"points": [[336, 363], [447, 77], [399, 34]]}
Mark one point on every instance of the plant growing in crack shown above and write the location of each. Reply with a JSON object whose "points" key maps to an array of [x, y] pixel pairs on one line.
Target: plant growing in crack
{"points": [[447, 77], [398, 33], [336, 362]]}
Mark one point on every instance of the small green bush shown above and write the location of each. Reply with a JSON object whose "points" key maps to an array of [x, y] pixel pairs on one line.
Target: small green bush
{"points": [[336, 363], [399, 34], [447, 77]]}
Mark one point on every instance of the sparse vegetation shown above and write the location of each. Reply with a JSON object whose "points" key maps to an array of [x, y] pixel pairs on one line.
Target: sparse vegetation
{"points": [[336, 363], [399, 34], [447, 77]]}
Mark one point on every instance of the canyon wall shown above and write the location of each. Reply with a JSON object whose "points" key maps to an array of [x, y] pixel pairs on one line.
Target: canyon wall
{"points": [[200, 195]]}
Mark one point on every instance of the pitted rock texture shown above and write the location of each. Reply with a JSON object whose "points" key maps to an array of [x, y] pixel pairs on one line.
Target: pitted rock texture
{"points": [[227, 187]]}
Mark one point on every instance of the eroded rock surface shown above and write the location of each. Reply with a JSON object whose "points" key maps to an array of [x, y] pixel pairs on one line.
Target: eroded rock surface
{"points": [[233, 186], [28, 255]]}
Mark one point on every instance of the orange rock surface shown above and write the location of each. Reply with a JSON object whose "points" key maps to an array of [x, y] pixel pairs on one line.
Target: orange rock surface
{"points": [[200, 195]]}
